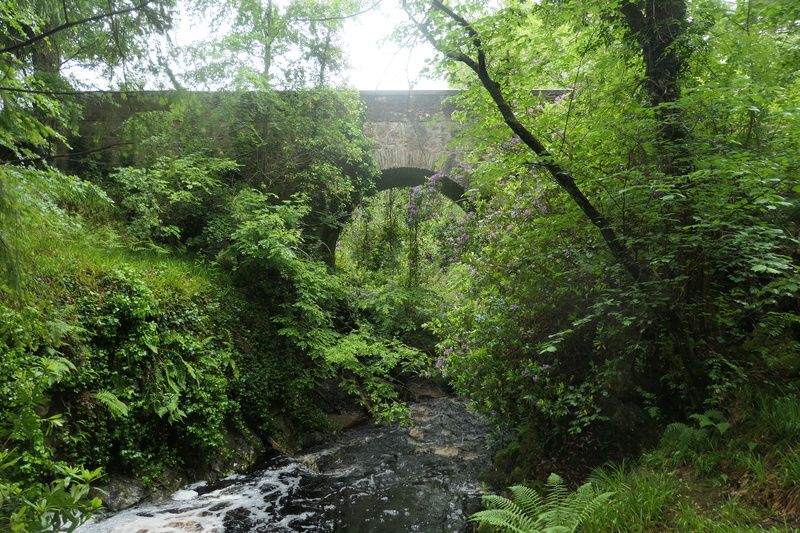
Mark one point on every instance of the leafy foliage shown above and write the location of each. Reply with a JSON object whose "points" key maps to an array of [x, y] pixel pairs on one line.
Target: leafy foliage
{"points": [[368, 365], [558, 511], [166, 203], [123, 362], [628, 260], [38, 491], [596, 340], [280, 44]]}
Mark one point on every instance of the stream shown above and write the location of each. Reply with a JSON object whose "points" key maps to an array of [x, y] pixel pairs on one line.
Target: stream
{"points": [[376, 479]]}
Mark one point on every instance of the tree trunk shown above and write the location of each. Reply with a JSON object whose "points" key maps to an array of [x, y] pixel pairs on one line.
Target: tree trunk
{"points": [[659, 28]]}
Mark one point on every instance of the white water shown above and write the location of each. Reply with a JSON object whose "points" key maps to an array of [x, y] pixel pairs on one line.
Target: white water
{"points": [[374, 479], [193, 509]]}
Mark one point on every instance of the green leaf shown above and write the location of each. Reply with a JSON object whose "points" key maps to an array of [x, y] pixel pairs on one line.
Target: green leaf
{"points": [[115, 406]]}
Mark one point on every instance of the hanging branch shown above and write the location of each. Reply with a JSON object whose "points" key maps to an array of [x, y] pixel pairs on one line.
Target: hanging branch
{"points": [[69, 155], [67, 25], [45, 92], [564, 179]]}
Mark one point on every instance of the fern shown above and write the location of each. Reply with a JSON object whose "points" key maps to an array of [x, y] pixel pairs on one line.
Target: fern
{"points": [[114, 405], [559, 511], [712, 418]]}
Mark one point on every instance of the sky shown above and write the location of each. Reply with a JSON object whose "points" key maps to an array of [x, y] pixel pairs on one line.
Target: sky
{"points": [[376, 62]]}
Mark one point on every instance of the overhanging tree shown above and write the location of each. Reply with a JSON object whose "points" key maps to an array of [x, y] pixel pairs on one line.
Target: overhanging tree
{"points": [[675, 201], [658, 31]]}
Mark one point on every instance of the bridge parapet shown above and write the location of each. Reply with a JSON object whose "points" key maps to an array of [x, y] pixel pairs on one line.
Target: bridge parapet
{"points": [[412, 133], [410, 129]]}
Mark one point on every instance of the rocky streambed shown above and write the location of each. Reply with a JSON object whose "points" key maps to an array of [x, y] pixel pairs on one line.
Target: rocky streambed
{"points": [[369, 479]]}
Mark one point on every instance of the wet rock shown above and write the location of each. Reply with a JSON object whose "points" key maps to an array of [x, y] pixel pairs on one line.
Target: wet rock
{"points": [[171, 479], [218, 507], [348, 420], [190, 526], [122, 492], [238, 521], [371, 479], [446, 451], [310, 462], [246, 452], [425, 388]]}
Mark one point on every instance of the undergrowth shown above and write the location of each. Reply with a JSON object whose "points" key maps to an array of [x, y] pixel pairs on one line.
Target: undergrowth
{"points": [[735, 472], [150, 361]]}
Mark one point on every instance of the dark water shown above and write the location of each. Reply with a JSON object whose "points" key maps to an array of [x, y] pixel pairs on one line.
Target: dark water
{"points": [[371, 479]]}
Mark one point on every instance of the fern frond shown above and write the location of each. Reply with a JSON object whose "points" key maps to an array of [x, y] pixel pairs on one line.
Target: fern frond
{"points": [[501, 518], [527, 499], [592, 505], [8, 263], [493, 501], [583, 503], [556, 492], [560, 511], [114, 405], [555, 529], [514, 515]]}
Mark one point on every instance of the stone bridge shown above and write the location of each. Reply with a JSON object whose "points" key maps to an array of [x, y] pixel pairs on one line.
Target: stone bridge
{"points": [[410, 130], [411, 133]]}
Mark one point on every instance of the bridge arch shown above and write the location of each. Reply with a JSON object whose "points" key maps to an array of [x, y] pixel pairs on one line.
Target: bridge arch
{"points": [[393, 178], [398, 178]]}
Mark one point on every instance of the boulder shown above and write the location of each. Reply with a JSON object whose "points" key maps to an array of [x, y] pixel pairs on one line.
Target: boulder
{"points": [[122, 492], [348, 420]]}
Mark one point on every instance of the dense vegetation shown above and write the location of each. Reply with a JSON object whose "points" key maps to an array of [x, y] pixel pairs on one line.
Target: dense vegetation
{"points": [[172, 307], [620, 283], [632, 261]]}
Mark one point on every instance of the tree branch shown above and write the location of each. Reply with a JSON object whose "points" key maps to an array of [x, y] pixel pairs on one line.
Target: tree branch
{"points": [[473, 34], [64, 93], [341, 17], [455, 56], [564, 179], [64, 156], [67, 25]]}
